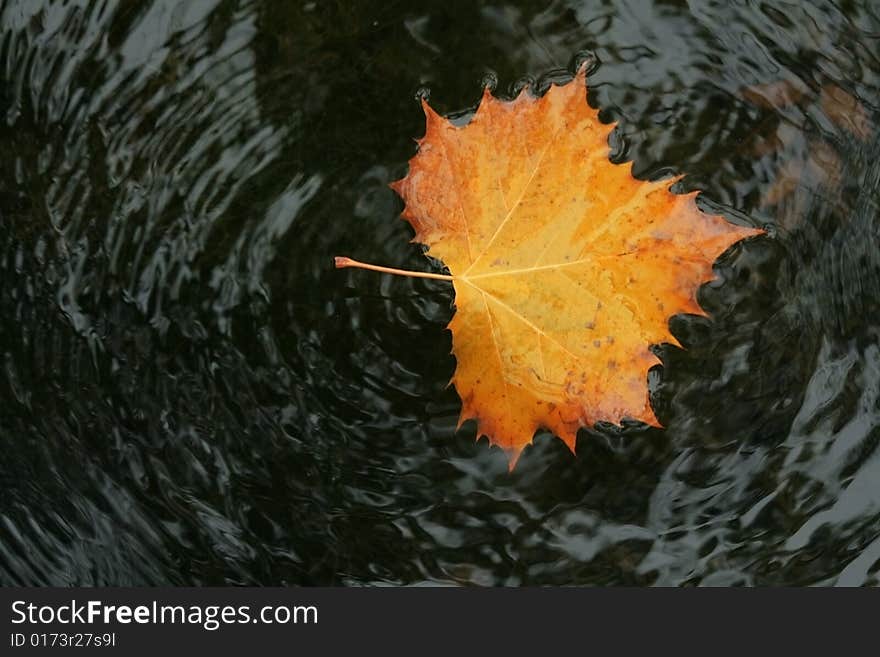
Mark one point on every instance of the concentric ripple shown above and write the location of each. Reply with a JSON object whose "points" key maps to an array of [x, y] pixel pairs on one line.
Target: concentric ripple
{"points": [[191, 394]]}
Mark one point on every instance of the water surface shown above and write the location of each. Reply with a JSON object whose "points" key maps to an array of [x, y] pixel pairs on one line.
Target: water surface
{"points": [[191, 394]]}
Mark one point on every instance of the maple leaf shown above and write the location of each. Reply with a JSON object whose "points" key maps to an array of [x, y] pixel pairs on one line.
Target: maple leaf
{"points": [[565, 267]]}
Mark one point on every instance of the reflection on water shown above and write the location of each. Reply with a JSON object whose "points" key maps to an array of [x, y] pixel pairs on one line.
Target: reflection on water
{"points": [[189, 393]]}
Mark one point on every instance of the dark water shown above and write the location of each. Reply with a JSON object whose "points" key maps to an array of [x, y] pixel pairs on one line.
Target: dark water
{"points": [[189, 393]]}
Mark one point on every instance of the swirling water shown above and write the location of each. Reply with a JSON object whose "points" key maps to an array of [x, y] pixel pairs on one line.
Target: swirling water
{"points": [[191, 394]]}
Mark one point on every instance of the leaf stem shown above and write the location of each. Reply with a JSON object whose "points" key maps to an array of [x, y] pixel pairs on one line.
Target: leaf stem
{"points": [[342, 262]]}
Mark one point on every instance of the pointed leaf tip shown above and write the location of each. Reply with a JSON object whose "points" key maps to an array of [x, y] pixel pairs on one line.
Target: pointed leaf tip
{"points": [[431, 115], [487, 96]]}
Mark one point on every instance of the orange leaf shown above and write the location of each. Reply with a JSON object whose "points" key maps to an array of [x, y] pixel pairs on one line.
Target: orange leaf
{"points": [[565, 267]]}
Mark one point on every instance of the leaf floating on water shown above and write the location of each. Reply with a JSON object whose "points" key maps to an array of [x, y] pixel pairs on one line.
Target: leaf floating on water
{"points": [[565, 267]]}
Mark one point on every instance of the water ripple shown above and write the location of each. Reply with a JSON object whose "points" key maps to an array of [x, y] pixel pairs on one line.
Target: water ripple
{"points": [[190, 394]]}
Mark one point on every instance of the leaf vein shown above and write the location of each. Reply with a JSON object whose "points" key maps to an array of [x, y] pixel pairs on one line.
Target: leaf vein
{"points": [[519, 199]]}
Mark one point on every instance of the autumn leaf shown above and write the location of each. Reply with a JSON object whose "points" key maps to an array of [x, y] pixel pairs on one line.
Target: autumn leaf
{"points": [[565, 267]]}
